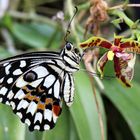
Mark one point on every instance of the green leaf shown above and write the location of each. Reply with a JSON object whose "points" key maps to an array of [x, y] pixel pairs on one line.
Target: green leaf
{"points": [[84, 110], [10, 126], [29, 35], [116, 22], [53, 35], [4, 53], [127, 100], [35, 135], [61, 130], [38, 35]]}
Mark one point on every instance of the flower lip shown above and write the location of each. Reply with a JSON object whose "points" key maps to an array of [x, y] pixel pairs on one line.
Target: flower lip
{"points": [[124, 56]]}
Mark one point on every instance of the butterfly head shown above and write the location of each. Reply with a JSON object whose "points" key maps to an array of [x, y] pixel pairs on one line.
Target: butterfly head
{"points": [[71, 55]]}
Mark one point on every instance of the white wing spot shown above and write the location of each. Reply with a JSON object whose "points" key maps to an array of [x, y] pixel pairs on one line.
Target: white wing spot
{"points": [[69, 104], [19, 114], [58, 70], [7, 103], [48, 114], [7, 69], [27, 121], [37, 127], [10, 95], [56, 89], [3, 90], [20, 94], [1, 80], [17, 72], [21, 83], [10, 80], [50, 91], [13, 105], [5, 64], [54, 118], [22, 63], [0, 99], [49, 80], [41, 71], [36, 83], [38, 117], [22, 104], [32, 108], [46, 127]]}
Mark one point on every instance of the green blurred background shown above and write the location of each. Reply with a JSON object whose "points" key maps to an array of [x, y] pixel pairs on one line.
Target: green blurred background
{"points": [[27, 25]]}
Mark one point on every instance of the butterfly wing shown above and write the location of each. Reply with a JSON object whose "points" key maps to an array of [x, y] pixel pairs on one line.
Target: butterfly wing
{"points": [[33, 89], [12, 68]]}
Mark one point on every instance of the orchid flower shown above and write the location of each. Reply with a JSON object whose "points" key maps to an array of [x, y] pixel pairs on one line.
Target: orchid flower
{"points": [[121, 51]]}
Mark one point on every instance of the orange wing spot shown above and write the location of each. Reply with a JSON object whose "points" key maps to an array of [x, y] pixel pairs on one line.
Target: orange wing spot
{"points": [[48, 101], [31, 97], [26, 89], [41, 106], [56, 110]]}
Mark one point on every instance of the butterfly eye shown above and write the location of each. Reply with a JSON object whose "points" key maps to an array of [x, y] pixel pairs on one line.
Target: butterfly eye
{"points": [[30, 76], [68, 46]]}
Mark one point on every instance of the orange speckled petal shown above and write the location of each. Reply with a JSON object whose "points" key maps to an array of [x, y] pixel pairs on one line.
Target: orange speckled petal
{"points": [[131, 46], [96, 41]]}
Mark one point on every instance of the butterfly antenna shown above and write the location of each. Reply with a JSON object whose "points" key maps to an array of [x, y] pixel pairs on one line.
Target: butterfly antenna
{"points": [[68, 27]]}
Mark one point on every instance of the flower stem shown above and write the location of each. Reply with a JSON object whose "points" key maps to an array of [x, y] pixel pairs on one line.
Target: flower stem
{"points": [[122, 15]]}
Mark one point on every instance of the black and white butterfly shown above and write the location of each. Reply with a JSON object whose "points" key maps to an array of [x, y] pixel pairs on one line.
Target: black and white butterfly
{"points": [[34, 85]]}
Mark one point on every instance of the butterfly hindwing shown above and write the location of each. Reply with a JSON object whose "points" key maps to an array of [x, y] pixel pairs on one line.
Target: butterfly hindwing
{"points": [[37, 97]]}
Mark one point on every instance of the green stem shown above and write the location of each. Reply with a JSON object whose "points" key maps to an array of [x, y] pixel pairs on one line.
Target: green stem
{"points": [[122, 15], [84, 6]]}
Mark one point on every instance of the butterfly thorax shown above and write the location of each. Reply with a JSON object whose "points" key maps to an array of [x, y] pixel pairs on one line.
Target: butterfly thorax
{"points": [[71, 57]]}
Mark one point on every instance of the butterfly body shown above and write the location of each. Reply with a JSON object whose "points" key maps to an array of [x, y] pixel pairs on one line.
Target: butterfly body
{"points": [[34, 85]]}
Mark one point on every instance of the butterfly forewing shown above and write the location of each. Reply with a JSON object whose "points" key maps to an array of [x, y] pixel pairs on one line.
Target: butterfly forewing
{"points": [[12, 68], [9, 72]]}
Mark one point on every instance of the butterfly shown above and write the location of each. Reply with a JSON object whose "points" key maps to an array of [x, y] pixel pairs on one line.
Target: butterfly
{"points": [[35, 85]]}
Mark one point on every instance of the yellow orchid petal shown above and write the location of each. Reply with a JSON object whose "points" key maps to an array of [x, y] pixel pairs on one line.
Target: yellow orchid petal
{"points": [[110, 55]]}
